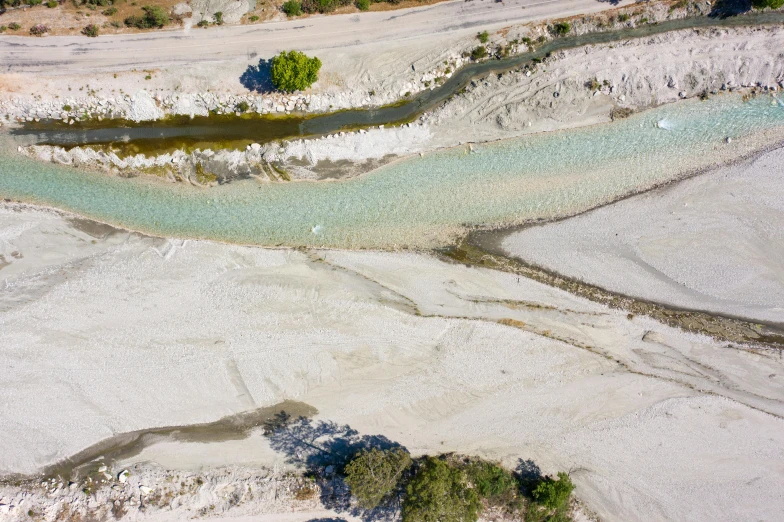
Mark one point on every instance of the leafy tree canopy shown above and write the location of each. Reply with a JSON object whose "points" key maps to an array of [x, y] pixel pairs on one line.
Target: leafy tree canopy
{"points": [[374, 474], [294, 71], [554, 494], [440, 493]]}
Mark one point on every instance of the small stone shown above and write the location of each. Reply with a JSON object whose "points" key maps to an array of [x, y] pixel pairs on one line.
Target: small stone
{"points": [[728, 140], [145, 490], [123, 476]]}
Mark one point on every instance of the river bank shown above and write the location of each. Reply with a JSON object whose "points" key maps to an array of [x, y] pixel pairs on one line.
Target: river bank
{"points": [[571, 88]]}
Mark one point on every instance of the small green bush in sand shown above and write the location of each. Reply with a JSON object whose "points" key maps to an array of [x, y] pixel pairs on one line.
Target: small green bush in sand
{"points": [[483, 36], [294, 71], [478, 53], [560, 28], [363, 5]]}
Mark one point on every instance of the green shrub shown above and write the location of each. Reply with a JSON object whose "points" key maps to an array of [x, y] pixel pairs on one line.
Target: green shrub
{"points": [[3, 28], [483, 36], [762, 4], [363, 5], [623, 17], [554, 494], [374, 474], [218, 17], [440, 492], [478, 53], [323, 6], [14, 26], [67, 108], [292, 8], [110, 12], [51, 4], [33, 2], [115, 24], [242, 106], [491, 480], [91, 31], [154, 16], [254, 18], [101, 3], [203, 23], [561, 28], [294, 71]]}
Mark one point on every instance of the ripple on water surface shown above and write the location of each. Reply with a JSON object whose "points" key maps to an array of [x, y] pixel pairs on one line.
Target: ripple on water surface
{"points": [[419, 201]]}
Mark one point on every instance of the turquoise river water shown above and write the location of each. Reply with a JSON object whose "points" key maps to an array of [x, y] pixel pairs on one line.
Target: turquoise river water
{"points": [[420, 201]]}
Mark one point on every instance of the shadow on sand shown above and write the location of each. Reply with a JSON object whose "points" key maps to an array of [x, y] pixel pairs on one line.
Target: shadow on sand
{"points": [[258, 78]]}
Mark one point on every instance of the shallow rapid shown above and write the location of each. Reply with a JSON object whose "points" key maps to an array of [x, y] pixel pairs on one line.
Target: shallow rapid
{"points": [[421, 202]]}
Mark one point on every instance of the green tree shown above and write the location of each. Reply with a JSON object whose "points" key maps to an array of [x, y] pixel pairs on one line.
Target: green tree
{"points": [[294, 71], [554, 494], [440, 493], [762, 4], [374, 474], [292, 8]]}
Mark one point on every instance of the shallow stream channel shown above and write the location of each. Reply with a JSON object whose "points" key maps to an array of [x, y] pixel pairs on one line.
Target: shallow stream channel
{"points": [[421, 202]]}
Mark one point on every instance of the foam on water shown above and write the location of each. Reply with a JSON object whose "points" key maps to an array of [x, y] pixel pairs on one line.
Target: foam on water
{"points": [[420, 201]]}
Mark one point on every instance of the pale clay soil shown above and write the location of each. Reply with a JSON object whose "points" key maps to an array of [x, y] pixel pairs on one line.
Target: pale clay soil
{"points": [[653, 423]]}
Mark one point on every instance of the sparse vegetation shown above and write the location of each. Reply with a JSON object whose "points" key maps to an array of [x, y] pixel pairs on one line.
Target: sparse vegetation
{"points": [[560, 28], [242, 106], [154, 17], [39, 30], [478, 53], [483, 37], [51, 4], [90, 30], [374, 474], [294, 71], [292, 8], [254, 18], [762, 4], [623, 17], [203, 23], [110, 12]]}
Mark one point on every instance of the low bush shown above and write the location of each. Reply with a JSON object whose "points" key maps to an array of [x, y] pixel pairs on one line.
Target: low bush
{"points": [[51, 4], [363, 5], [323, 6], [373, 475], [254, 18], [478, 53], [292, 8], [67, 108], [100, 3], [218, 17], [560, 28], [110, 12], [33, 2], [203, 23], [39, 30], [154, 16], [242, 107], [90, 30], [294, 71], [14, 26], [483, 36]]}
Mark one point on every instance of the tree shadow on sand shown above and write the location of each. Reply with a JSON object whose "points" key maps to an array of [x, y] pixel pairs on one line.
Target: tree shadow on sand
{"points": [[258, 78], [324, 448]]}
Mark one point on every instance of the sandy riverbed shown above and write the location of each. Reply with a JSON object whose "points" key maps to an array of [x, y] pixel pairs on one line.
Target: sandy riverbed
{"points": [[710, 243], [106, 332]]}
